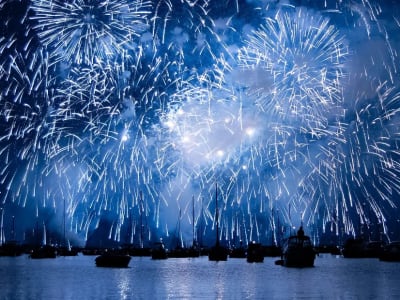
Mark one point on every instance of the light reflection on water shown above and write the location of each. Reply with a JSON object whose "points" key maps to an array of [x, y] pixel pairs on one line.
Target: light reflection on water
{"points": [[78, 278], [124, 287]]}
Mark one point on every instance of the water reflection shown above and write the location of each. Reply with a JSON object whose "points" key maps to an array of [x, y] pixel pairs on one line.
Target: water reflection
{"points": [[79, 278], [124, 286]]}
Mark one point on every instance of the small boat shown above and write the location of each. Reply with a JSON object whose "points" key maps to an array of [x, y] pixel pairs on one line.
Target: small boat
{"points": [[255, 253], [91, 251], [10, 248], [353, 248], [218, 253], [67, 251], [238, 252], [159, 251], [183, 252], [359, 248], [113, 260], [298, 251], [140, 251], [330, 249], [391, 252], [46, 251]]}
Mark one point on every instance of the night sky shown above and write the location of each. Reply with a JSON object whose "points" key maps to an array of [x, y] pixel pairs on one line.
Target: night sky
{"points": [[117, 114]]}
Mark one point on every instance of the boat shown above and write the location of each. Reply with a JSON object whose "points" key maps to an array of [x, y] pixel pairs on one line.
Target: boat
{"points": [[91, 251], [159, 251], [184, 252], [46, 251], [360, 248], [67, 251], [353, 248], [139, 251], [113, 260], [373, 249], [218, 252], [255, 253], [10, 248], [390, 252], [330, 249], [298, 251], [238, 252], [193, 251], [43, 249]]}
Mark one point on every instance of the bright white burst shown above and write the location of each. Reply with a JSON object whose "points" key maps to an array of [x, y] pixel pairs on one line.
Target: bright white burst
{"points": [[293, 64], [90, 31]]}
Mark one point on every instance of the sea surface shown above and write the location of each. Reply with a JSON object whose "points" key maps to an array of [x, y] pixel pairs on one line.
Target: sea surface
{"points": [[332, 277]]}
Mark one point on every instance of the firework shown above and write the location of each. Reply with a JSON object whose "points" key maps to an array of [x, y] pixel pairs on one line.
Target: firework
{"points": [[296, 61], [90, 32], [129, 109]]}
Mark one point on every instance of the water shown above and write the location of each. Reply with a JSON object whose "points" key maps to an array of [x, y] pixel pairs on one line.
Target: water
{"points": [[197, 278]]}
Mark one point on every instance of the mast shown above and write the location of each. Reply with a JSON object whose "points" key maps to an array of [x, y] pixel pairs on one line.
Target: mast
{"points": [[201, 225], [2, 228], [217, 252], [65, 242], [179, 242], [216, 214], [193, 237], [141, 219]]}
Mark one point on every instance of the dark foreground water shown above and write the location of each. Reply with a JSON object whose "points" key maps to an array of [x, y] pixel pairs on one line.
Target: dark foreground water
{"points": [[197, 278]]}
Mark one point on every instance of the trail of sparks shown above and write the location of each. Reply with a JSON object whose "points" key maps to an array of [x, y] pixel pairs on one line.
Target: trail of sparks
{"points": [[128, 110]]}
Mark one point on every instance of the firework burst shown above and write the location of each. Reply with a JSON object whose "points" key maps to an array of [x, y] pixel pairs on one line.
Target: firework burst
{"points": [[107, 105], [90, 32], [296, 63]]}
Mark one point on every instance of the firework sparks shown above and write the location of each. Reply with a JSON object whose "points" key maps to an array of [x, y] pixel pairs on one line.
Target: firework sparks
{"points": [[128, 110], [89, 32]]}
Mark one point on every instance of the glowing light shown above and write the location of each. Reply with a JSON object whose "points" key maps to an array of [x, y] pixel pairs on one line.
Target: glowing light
{"points": [[86, 31], [294, 65], [124, 137], [125, 109], [250, 131]]}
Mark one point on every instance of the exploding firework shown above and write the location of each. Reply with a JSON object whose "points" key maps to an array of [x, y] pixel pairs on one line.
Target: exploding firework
{"points": [[90, 32], [296, 63], [127, 110], [363, 182]]}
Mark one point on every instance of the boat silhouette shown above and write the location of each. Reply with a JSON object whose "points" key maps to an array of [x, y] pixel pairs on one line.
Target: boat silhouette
{"points": [[298, 251], [159, 251], [113, 259], [255, 253]]}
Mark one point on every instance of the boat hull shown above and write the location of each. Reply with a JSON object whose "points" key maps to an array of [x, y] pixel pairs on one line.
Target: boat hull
{"points": [[391, 252], [44, 252], [113, 261], [300, 258], [255, 253], [218, 253]]}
